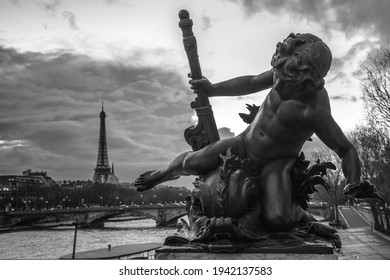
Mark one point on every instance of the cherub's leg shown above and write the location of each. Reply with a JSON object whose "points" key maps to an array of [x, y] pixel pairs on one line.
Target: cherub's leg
{"points": [[278, 213], [152, 178], [189, 163]]}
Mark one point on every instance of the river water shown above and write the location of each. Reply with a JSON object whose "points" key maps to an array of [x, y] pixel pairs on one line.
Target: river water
{"points": [[52, 243]]}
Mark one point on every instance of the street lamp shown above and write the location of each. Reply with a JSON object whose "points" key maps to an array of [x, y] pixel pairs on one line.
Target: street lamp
{"points": [[337, 208]]}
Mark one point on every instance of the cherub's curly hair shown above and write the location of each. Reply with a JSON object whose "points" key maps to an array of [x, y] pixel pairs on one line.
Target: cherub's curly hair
{"points": [[302, 58]]}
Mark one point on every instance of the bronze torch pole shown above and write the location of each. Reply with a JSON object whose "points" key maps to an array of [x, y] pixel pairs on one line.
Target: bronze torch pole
{"points": [[205, 132]]}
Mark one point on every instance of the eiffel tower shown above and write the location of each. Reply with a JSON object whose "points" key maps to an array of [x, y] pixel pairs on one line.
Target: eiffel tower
{"points": [[103, 172]]}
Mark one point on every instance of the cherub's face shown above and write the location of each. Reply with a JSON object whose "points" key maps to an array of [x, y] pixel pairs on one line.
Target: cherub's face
{"points": [[288, 77]]}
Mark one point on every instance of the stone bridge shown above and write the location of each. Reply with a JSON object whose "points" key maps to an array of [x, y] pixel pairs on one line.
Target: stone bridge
{"points": [[91, 217]]}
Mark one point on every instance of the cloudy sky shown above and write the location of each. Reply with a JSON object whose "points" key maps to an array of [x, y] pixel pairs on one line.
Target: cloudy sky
{"points": [[59, 59]]}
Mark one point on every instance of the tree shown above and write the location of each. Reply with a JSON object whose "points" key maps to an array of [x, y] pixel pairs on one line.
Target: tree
{"points": [[374, 76], [335, 179], [372, 141], [373, 146]]}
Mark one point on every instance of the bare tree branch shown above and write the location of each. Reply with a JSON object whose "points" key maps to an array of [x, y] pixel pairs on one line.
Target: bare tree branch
{"points": [[375, 83], [373, 146]]}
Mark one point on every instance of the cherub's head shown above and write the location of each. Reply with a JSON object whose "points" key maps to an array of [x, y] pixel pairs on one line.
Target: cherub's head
{"points": [[302, 59]]}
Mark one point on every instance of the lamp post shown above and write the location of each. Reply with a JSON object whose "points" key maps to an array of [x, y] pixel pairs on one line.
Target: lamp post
{"points": [[336, 207]]}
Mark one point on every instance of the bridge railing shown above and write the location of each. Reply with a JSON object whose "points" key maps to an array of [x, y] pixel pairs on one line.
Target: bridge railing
{"points": [[90, 209], [160, 213]]}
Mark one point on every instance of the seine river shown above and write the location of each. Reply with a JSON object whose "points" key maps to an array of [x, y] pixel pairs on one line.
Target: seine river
{"points": [[55, 242]]}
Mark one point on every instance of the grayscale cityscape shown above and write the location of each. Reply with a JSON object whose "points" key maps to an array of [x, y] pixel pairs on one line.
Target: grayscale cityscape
{"points": [[228, 130]]}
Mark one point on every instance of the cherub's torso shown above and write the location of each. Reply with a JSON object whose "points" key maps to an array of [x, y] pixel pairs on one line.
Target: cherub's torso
{"points": [[280, 128]]}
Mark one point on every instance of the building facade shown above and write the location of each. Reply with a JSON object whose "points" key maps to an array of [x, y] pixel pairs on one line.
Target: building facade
{"points": [[22, 191]]}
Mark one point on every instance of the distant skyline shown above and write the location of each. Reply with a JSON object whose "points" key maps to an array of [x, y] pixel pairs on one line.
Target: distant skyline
{"points": [[60, 59]]}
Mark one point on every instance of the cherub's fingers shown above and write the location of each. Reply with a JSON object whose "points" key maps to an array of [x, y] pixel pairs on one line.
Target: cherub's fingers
{"points": [[140, 178], [197, 82], [141, 189]]}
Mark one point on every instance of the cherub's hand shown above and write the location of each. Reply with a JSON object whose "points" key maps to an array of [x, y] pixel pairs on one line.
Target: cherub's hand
{"points": [[203, 83], [364, 189]]}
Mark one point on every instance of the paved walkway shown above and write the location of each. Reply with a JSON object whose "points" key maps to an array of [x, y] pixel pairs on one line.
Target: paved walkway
{"points": [[359, 241], [363, 244], [353, 218]]}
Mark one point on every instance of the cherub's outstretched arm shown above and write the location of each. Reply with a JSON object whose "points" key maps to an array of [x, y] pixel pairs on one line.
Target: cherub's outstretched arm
{"points": [[237, 86]]}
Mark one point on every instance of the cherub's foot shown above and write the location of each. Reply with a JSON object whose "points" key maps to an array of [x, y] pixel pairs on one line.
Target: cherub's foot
{"points": [[150, 179]]}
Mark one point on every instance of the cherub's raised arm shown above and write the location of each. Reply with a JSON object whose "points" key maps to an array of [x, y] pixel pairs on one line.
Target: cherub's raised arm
{"points": [[237, 86], [331, 134]]}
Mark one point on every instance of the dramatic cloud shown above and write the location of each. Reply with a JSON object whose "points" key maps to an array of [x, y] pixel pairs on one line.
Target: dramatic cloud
{"points": [[50, 8], [340, 63], [225, 132], [50, 103], [349, 16], [369, 19], [71, 19]]}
